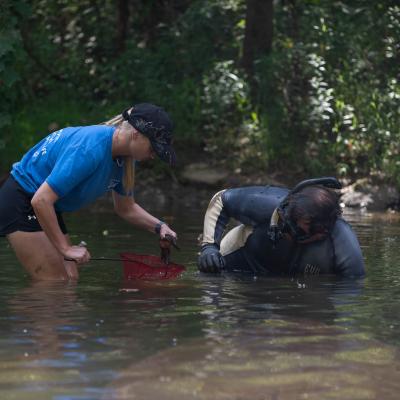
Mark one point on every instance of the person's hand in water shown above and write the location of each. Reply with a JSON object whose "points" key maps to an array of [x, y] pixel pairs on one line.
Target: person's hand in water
{"points": [[79, 254], [210, 259]]}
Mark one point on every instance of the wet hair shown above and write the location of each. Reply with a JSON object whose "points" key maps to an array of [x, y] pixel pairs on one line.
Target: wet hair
{"points": [[316, 204], [128, 179]]}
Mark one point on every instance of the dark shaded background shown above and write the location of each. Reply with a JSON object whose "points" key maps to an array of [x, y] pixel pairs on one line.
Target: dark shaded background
{"points": [[305, 87]]}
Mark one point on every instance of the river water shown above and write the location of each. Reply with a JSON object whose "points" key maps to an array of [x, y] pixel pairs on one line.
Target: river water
{"points": [[200, 337]]}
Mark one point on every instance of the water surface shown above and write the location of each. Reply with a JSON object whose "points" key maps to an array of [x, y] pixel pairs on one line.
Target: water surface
{"points": [[200, 337]]}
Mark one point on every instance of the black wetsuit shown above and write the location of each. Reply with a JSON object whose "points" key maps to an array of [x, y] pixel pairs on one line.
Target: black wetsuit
{"points": [[339, 253]]}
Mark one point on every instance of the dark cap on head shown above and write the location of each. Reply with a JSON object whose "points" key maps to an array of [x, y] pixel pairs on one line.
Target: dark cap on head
{"points": [[154, 123]]}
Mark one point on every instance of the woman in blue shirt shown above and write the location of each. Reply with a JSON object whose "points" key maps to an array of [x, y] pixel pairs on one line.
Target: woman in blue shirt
{"points": [[71, 168]]}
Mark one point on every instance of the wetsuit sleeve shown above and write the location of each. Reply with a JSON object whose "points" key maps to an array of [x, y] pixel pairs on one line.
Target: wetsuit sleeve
{"points": [[249, 205], [348, 256], [71, 168], [215, 220], [252, 205]]}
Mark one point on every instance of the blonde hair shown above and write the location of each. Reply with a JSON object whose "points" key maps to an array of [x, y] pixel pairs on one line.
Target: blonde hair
{"points": [[128, 180]]}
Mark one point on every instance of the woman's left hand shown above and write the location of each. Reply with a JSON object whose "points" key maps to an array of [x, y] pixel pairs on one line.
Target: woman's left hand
{"points": [[166, 230]]}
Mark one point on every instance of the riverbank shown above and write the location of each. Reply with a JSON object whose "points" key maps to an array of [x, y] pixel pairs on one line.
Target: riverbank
{"points": [[195, 184]]}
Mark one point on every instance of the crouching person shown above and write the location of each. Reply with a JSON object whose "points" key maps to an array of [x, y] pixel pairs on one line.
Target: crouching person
{"points": [[282, 232]]}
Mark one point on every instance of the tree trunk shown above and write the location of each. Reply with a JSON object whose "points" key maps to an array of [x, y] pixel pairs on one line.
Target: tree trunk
{"points": [[298, 85], [122, 25], [153, 13], [258, 33]]}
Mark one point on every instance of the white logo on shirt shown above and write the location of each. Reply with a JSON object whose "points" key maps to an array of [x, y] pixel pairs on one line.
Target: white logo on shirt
{"points": [[311, 270], [112, 184], [31, 217], [50, 139]]}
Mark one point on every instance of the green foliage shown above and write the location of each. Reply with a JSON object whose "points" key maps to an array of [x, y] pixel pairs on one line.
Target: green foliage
{"points": [[331, 88], [10, 55], [34, 121], [325, 99]]}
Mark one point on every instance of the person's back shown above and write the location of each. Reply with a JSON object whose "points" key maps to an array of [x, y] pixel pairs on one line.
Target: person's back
{"points": [[75, 161]]}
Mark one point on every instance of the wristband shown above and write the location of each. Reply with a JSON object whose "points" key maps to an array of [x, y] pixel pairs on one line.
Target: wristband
{"points": [[157, 229]]}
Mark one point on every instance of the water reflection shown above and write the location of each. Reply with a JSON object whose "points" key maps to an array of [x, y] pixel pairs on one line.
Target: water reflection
{"points": [[320, 361], [311, 297], [204, 337], [44, 341], [281, 339], [42, 312]]}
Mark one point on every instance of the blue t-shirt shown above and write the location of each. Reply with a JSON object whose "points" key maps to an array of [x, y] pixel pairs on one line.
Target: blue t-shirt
{"points": [[77, 164]]}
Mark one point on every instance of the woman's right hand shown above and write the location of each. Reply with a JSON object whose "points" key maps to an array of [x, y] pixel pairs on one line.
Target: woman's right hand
{"points": [[79, 254]]}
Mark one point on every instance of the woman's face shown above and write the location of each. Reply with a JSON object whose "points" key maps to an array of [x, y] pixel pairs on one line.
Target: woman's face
{"points": [[140, 148]]}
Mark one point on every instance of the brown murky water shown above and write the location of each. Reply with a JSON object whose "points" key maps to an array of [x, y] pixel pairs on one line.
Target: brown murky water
{"points": [[201, 337]]}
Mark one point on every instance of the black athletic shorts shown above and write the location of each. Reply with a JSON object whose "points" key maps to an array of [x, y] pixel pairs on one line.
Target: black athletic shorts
{"points": [[16, 212]]}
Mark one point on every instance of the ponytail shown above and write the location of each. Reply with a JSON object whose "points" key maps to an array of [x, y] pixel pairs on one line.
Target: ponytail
{"points": [[128, 180]]}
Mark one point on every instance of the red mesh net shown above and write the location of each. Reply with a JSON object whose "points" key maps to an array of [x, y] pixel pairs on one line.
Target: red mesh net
{"points": [[148, 267]]}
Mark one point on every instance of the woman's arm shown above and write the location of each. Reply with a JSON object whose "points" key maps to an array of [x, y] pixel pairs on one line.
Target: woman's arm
{"points": [[43, 205], [128, 209]]}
